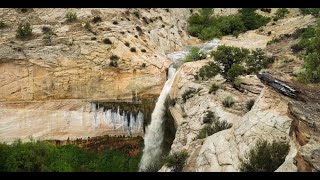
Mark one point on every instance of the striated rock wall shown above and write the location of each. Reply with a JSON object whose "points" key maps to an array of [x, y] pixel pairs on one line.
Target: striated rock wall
{"points": [[77, 67]]}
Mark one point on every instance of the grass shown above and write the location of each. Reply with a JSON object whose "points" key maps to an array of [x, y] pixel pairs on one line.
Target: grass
{"points": [[214, 88], [228, 102], [217, 126], [71, 17], [176, 160]]}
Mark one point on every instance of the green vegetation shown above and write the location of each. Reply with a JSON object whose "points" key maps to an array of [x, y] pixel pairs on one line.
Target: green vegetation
{"points": [[280, 13], [206, 27], [71, 17], [176, 160], [313, 11], [209, 117], [48, 33], [267, 10], [213, 88], [189, 93], [235, 71], [209, 70], [217, 126], [107, 41], [2, 25], [133, 49], [24, 31], [228, 102], [234, 62], [309, 46], [193, 55], [45, 157], [87, 26], [249, 104], [265, 156], [227, 56]]}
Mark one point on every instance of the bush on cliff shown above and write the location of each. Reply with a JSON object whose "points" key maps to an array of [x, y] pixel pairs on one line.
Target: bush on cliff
{"points": [[265, 156]]}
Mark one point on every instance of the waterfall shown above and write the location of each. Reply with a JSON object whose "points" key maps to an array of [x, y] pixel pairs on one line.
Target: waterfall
{"points": [[155, 131]]}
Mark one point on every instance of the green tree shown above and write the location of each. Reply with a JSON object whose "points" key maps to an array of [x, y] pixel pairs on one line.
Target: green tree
{"points": [[235, 71], [227, 56]]}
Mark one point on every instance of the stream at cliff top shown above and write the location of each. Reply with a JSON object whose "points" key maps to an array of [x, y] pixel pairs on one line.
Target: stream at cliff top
{"points": [[154, 136]]}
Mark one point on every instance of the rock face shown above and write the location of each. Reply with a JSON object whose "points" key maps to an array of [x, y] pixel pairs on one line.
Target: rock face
{"points": [[224, 150], [277, 113], [120, 58]]}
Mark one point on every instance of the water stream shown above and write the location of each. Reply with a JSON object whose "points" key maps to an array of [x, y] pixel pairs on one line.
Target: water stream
{"points": [[154, 135]]}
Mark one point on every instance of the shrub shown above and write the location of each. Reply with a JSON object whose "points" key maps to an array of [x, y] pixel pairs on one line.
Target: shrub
{"points": [[24, 31], [209, 117], [113, 64], [176, 160], [235, 71], [208, 71], [2, 25], [136, 36], [214, 88], [251, 19], [193, 55], [137, 14], [217, 126], [127, 44], [143, 65], [227, 56], [172, 102], [115, 22], [114, 58], [265, 156], [257, 61], [249, 104], [71, 17], [138, 28], [133, 49], [96, 19], [143, 50], [228, 102], [313, 11], [267, 10], [189, 94], [87, 25], [107, 41], [280, 13]]}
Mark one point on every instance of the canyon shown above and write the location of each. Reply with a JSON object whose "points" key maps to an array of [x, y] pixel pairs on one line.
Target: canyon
{"points": [[71, 88]]}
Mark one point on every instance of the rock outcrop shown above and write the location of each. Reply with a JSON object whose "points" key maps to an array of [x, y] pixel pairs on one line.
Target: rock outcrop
{"points": [[121, 57]]}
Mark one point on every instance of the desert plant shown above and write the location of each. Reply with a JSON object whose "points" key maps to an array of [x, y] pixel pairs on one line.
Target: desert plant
{"points": [[209, 117], [24, 30], [189, 94], [235, 71], [96, 19], [143, 50], [115, 22], [176, 160], [107, 41], [87, 25], [280, 13], [143, 65], [267, 10], [2, 25], [208, 71], [265, 156], [114, 57], [133, 49], [71, 17], [193, 55], [217, 126], [214, 88], [127, 44], [228, 101], [249, 104]]}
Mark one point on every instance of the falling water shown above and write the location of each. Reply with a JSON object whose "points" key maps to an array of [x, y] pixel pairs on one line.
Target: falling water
{"points": [[154, 133]]}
